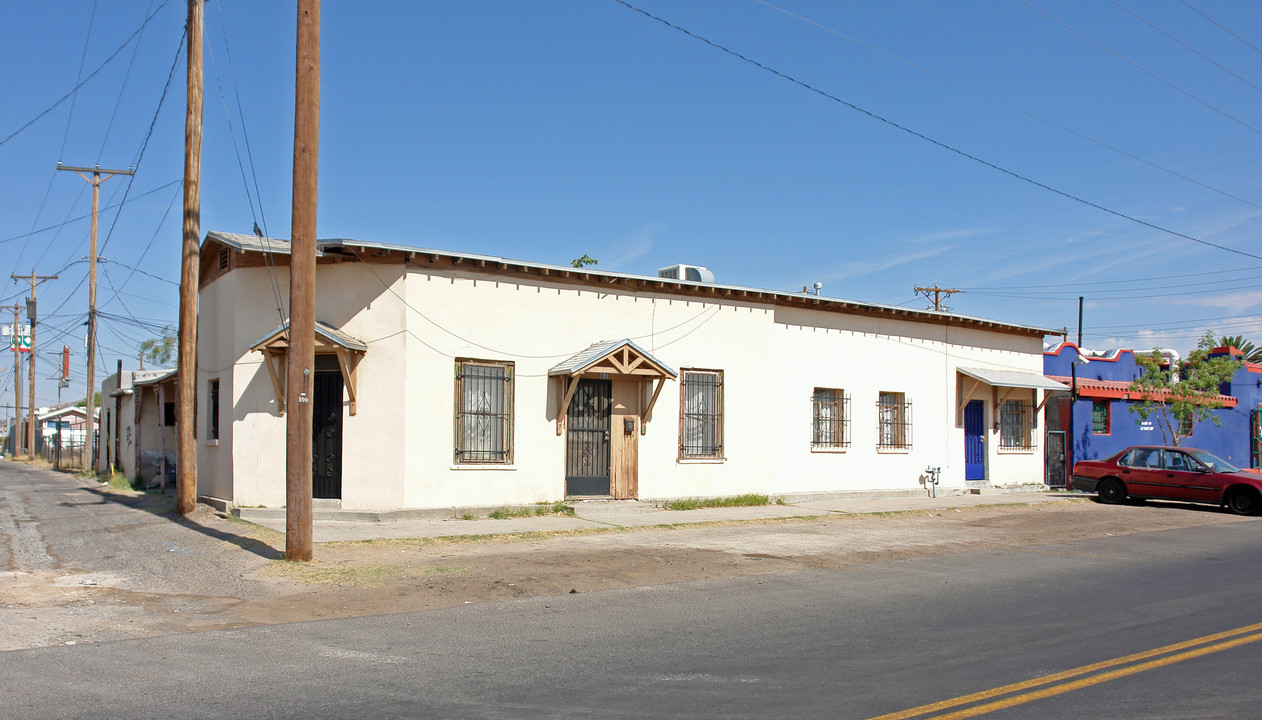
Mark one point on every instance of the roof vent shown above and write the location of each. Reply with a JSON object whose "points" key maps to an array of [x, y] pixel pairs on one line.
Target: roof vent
{"points": [[693, 273]]}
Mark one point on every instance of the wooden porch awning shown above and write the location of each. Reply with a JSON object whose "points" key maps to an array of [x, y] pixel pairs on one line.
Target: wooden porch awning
{"points": [[1001, 384], [611, 358], [328, 341]]}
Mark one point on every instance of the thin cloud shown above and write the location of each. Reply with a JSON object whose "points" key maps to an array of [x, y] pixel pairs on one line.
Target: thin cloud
{"points": [[639, 244]]}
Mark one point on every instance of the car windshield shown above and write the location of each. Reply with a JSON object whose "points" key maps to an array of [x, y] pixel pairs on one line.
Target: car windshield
{"points": [[1214, 462]]}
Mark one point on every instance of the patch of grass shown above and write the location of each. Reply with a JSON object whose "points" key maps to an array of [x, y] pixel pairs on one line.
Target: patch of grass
{"points": [[746, 500], [118, 481], [554, 508], [539, 509], [504, 512], [468, 516]]}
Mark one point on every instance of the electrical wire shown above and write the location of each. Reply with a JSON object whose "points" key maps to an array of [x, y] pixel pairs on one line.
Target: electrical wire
{"points": [[75, 94], [87, 79], [1199, 54], [122, 89], [269, 261], [1015, 108], [1220, 26], [1146, 280], [1139, 67], [938, 143], [140, 156], [88, 216]]}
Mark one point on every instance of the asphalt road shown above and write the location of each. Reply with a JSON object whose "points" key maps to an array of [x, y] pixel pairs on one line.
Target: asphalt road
{"points": [[858, 643]]}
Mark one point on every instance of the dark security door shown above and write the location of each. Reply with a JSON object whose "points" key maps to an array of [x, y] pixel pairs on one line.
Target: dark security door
{"points": [[326, 435], [974, 441], [587, 439], [1054, 459]]}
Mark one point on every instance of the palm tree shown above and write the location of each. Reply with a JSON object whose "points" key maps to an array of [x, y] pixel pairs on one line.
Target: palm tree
{"points": [[1251, 353]]}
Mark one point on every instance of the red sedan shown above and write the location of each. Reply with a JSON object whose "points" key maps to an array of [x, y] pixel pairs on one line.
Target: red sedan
{"points": [[1170, 473]]}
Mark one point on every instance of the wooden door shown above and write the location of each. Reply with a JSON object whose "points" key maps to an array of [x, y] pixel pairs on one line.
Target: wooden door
{"points": [[625, 441]]}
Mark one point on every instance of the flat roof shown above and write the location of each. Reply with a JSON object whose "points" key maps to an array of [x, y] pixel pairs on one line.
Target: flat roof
{"points": [[473, 262]]}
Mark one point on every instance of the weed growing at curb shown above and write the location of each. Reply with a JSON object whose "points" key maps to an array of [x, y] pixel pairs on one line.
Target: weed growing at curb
{"points": [[504, 512], [746, 500]]}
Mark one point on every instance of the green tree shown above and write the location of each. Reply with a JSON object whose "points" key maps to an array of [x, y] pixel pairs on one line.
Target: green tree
{"points": [[1176, 398], [159, 351], [1251, 353], [584, 261]]}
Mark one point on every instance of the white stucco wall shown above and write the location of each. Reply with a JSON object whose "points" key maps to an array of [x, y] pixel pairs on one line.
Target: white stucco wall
{"points": [[397, 450]]}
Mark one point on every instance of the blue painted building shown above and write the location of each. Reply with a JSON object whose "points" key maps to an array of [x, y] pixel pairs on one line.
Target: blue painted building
{"points": [[1100, 422]]}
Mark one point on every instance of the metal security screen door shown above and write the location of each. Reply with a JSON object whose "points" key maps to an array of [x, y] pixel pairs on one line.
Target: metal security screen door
{"points": [[1054, 459], [326, 436], [974, 441], [587, 439]]}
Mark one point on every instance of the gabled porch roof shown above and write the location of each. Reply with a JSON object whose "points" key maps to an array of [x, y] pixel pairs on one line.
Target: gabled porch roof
{"points": [[619, 357], [328, 340], [611, 358]]}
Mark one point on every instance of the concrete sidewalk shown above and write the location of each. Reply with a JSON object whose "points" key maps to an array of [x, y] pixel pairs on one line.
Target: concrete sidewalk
{"points": [[335, 525]]}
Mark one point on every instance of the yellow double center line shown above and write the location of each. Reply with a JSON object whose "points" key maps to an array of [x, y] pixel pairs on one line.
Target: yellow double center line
{"points": [[1081, 677]]}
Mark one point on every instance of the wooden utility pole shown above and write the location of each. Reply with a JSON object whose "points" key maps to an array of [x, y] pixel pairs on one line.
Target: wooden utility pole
{"points": [[302, 266], [30, 318], [98, 176], [938, 295], [17, 384], [186, 377]]}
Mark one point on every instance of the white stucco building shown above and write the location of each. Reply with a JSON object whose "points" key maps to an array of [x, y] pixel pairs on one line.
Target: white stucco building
{"points": [[136, 425], [452, 380]]}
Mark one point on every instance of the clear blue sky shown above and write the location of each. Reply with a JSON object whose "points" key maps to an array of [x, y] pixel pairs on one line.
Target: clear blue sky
{"points": [[542, 131]]}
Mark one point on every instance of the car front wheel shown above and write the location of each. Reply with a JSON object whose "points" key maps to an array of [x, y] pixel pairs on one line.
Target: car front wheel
{"points": [[1244, 502], [1111, 491]]}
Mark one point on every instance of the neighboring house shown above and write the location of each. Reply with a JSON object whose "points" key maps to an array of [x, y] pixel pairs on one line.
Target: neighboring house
{"points": [[447, 379], [1102, 422], [137, 424], [67, 422], [1241, 428]]}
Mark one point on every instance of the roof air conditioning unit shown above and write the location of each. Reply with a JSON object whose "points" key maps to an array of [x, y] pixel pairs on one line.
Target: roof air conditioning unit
{"points": [[693, 273]]}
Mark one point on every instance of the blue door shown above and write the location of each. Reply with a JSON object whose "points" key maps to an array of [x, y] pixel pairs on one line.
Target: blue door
{"points": [[974, 441]]}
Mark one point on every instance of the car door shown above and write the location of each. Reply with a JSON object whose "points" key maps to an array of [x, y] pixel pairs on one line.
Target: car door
{"points": [[1187, 479], [1142, 473]]}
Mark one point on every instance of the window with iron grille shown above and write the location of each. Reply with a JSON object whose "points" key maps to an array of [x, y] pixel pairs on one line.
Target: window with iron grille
{"points": [[1185, 425], [1100, 417], [484, 412], [830, 419], [893, 419], [1016, 425], [701, 414]]}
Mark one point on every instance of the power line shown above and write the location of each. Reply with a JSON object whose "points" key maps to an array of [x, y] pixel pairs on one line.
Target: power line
{"points": [[87, 79], [1222, 27], [140, 156], [1015, 108], [1139, 67], [80, 218], [1148, 280], [1200, 54], [74, 97], [932, 141], [122, 90]]}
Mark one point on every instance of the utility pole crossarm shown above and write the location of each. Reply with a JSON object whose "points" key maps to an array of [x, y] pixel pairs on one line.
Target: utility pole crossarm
{"points": [[936, 295], [96, 181]]}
